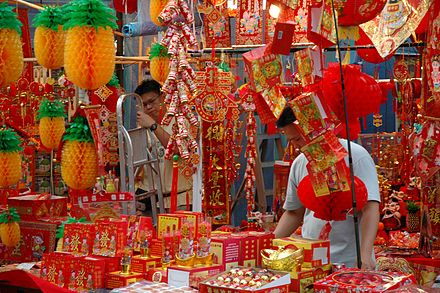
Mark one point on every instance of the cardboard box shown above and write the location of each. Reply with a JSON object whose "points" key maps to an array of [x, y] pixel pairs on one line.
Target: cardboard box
{"points": [[85, 274], [191, 277], [156, 248], [54, 268], [35, 206], [174, 221], [195, 218], [112, 263], [78, 238], [226, 250], [143, 265], [372, 281], [248, 249], [264, 241], [157, 275], [136, 225], [316, 252], [303, 280], [117, 280], [110, 237]]}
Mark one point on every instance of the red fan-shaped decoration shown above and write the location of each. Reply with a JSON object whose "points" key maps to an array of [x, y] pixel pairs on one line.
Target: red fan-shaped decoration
{"points": [[334, 206], [364, 95], [355, 12], [370, 55]]}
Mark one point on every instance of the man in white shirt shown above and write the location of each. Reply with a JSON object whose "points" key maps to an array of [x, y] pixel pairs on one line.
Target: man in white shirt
{"points": [[342, 236]]}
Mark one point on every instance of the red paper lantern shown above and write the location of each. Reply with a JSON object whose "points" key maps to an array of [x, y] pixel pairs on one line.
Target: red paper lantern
{"points": [[125, 6], [363, 93], [355, 12], [334, 206], [370, 55]]}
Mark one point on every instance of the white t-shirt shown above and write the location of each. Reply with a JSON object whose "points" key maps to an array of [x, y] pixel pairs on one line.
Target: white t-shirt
{"points": [[342, 236]]}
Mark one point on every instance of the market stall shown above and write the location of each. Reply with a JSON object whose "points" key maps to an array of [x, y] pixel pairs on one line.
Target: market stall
{"points": [[148, 171]]}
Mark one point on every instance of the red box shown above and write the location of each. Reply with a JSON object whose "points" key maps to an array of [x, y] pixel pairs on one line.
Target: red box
{"points": [[178, 276], [135, 226], [37, 238], [174, 221], [264, 241], [283, 37], [156, 248], [112, 263], [117, 280], [78, 238], [35, 206], [54, 267], [195, 218], [302, 281], [157, 275], [143, 265], [85, 274], [248, 249], [378, 281], [110, 237], [226, 250], [316, 252]]}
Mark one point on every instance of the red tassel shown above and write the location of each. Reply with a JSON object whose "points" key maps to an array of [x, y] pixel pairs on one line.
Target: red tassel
{"points": [[174, 182], [325, 232]]}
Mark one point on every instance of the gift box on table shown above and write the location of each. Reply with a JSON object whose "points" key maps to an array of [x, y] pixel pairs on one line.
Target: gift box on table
{"points": [[85, 274], [36, 238], [264, 240], [110, 237], [226, 250], [35, 206], [117, 279], [191, 277], [316, 252], [157, 275], [349, 280], [301, 281], [248, 249], [136, 225], [55, 266], [195, 218], [78, 238], [112, 263], [142, 265], [173, 221]]}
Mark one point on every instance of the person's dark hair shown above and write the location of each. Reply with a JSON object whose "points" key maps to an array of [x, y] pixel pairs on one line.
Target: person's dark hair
{"points": [[148, 85], [287, 117]]}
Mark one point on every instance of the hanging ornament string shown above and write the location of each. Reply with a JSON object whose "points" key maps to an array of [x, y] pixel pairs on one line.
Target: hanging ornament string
{"points": [[251, 155]]}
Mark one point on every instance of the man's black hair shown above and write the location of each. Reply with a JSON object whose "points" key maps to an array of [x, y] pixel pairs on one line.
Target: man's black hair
{"points": [[148, 85], [287, 117]]}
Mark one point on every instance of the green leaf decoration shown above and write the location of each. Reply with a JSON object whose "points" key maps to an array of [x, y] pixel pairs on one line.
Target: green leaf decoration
{"points": [[223, 66], [50, 109], [89, 13], [114, 81], [9, 216], [70, 220], [50, 17], [78, 130], [9, 141], [157, 50], [412, 206], [8, 18]]}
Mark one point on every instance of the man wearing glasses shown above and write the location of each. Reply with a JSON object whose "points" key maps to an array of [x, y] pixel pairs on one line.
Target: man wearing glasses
{"points": [[150, 117]]}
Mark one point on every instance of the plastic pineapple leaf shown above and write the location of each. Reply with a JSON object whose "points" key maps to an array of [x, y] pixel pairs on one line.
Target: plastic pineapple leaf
{"points": [[79, 130], [114, 81], [89, 13], [9, 141], [157, 50], [50, 109], [50, 17], [8, 18], [70, 220], [9, 216]]}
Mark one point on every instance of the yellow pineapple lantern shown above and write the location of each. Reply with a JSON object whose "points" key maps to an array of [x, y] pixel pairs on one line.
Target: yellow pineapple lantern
{"points": [[9, 228], [49, 37], [79, 162], [11, 47], [159, 63], [156, 7], [89, 53], [10, 158], [51, 115]]}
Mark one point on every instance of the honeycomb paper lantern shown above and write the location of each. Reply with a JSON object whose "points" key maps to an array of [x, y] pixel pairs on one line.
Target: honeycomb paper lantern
{"points": [[79, 162], [10, 158], [51, 128], [49, 38], [159, 63], [11, 47], [89, 55], [9, 229], [156, 8]]}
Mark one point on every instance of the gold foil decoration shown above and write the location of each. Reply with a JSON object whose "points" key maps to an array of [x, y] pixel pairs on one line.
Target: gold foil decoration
{"points": [[283, 259]]}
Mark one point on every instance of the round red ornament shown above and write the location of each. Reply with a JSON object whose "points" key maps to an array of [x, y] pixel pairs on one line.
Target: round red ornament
{"points": [[370, 55], [355, 12], [125, 6], [334, 206]]}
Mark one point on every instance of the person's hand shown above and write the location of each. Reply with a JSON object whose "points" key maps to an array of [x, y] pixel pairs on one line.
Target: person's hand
{"points": [[368, 264], [144, 120]]}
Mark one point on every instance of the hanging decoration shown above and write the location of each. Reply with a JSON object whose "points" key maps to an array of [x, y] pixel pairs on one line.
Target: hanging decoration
{"points": [[355, 12], [49, 37], [51, 128], [216, 24], [218, 112], [89, 56], [249, 28], [11, 47], [10, 158], [180, 86], [369, 54], [79, 166], [159, 63], [10, 233], [156, 8], [126, 6], [320, 25], [395, 24]]}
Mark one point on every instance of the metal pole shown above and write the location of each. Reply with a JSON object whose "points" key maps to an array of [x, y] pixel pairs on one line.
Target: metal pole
{"points": [[350, 159]]}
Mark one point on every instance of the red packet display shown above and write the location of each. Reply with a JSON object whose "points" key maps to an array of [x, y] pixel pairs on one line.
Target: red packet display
{"points": [[324, 151], [275, 100], [78, 238], [249, 26], [110, 237], [136, 226], [309, 65], [216, 23], [282, 39], [321, 28], [263, 67]]}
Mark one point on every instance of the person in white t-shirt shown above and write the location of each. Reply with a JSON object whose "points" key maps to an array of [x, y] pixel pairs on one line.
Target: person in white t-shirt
{"points": [[342, 235]]}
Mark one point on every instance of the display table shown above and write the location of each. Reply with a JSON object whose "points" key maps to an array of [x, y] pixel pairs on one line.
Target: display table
{"points": [[14, 280]]}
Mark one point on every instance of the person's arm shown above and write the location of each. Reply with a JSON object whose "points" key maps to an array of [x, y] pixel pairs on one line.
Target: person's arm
{"points": [[289, 222], [369, 223], [145, 120]]}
